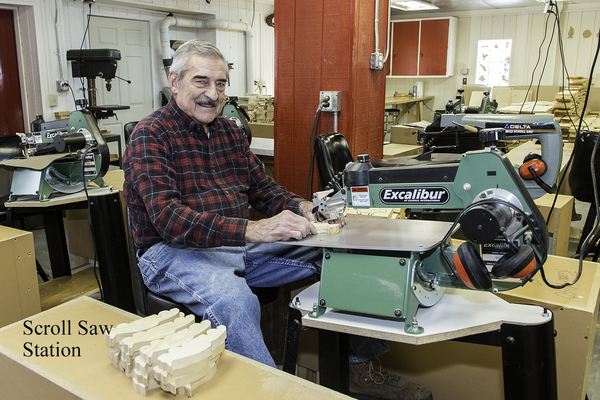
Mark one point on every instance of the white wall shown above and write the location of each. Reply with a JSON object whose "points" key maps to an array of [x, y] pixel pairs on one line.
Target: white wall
{"points": [[526, 28], [72, 17]]}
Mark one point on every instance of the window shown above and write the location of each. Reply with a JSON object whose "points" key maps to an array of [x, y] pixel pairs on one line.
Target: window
{"points": [[493, 62]]}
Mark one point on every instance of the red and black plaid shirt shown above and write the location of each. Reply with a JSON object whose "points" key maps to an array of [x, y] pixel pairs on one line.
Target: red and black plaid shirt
{"points": [[187, 187]]}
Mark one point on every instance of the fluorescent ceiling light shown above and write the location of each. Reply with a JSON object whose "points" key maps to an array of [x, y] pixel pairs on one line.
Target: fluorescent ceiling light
{"points": [[413, 5]]}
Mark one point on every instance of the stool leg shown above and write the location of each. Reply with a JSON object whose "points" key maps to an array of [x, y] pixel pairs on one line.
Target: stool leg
{"points": [[41, 271], [292, 337], [587, 227], [529, 361]]}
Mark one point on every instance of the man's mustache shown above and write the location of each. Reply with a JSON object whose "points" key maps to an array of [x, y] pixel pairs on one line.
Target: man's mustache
{"points": [[207, 102]]}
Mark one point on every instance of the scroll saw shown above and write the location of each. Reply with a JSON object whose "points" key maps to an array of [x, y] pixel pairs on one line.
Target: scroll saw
{"points": [[63, 155], [389, 268], [457, 133]]}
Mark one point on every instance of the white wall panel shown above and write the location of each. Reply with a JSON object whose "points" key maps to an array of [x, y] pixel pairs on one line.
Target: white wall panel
{"points": [[526, 29]]}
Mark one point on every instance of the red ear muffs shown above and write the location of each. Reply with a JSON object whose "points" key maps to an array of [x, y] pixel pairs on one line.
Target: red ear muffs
{"points": [[535, 162], [519, 265], [470, 267]]}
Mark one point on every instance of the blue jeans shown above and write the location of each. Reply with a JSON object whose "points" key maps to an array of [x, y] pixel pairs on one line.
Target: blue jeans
{"points": [[215, 283]]}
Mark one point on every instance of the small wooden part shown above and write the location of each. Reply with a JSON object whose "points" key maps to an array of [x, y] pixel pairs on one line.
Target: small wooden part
{"points": [[114, 353], [143, 387], [151, 352], [192, 388], [185, 375], [121, 331], [325, 227], [132, 344], [190, 353]]}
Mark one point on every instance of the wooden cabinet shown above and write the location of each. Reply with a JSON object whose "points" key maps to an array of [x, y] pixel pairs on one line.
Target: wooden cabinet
{"points": [[425, 47]]}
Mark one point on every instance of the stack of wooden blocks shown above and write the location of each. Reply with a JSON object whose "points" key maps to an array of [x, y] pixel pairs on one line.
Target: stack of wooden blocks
{"points": [[167, 350], [568, 106], [260, 108]]}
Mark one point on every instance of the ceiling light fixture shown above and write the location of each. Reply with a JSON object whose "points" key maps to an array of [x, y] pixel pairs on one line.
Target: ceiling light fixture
{"points": [[413, 5]]}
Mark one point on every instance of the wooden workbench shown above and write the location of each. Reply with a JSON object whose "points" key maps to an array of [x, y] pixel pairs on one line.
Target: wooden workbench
{"points": [[406, 104], [92, 376]]}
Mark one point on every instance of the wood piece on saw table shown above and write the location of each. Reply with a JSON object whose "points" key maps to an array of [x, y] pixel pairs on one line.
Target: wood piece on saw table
{"points": [[326, 228]]}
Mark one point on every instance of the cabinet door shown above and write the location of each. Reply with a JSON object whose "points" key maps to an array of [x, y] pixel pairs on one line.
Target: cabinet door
{"points": [[405, 48], [434, 47]]}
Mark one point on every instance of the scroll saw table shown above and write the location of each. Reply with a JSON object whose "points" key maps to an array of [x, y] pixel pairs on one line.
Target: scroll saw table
{"points": [[524, 332]]}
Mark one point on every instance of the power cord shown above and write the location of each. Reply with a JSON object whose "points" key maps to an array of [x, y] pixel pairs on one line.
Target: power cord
{"points": [[87, 197], [324, 102], [537, 63]]}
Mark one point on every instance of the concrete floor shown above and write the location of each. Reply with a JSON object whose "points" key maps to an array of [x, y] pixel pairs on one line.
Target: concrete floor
{"points": [[593, 391]]}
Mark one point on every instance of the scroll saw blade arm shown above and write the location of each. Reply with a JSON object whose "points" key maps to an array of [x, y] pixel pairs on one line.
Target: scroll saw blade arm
{"points": [[329, 208]]}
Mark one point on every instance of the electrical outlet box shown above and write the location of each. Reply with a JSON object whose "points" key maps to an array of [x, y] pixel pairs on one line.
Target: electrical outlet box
{"points": [[335, 101], [376, 61], [62, 86]]}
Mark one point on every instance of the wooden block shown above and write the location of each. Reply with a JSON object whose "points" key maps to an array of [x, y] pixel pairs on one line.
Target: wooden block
{"points": [[130, 345], [369, 212], [114, 353], [151, 352], [121, 331], [142, 387], [326, 228], [192, 388], [188, 354], [185, 376]]}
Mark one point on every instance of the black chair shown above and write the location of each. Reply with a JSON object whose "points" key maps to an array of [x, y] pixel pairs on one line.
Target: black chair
{"points": [[128, 129], [332, 153], [582, 187], [146, 301]]}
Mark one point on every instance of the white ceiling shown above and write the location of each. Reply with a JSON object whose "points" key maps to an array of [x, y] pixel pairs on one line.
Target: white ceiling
{"points": [[484, 5]]}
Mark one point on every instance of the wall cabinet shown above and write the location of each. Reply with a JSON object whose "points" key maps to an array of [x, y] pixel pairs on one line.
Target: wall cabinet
{"points": [[425, 47]]}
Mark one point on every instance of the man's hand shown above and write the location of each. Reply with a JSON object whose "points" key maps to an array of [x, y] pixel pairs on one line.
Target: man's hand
{"points": [[285, 225]]}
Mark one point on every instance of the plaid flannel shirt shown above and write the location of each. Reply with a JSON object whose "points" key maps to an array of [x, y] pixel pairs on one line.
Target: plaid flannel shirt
{"points": [[184, 186]]}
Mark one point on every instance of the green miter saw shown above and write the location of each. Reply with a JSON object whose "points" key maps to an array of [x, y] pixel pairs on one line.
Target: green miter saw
{"points": [[63, 156]]}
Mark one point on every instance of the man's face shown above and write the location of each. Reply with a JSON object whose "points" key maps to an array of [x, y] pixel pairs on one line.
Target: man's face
{"points": [[201, 91]]}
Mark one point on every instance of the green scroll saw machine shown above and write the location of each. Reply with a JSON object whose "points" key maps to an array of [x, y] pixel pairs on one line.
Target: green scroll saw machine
{"points": [[62, 155], [389, 268]]}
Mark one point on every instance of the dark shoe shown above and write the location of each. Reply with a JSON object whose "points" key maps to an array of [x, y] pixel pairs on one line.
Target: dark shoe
{"points": [[368, 378]]}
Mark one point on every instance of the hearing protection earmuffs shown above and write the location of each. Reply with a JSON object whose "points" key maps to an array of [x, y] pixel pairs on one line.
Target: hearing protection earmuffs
{"points": [[533, 168], [473, 272], [532, 161]]}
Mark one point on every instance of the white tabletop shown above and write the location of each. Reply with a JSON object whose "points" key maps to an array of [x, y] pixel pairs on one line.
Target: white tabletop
{"points": [[263, 146], [58, 198], [459, 313]]}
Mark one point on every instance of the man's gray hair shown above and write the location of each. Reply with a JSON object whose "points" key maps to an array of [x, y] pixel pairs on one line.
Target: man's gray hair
{"points": [[194, 47]]}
